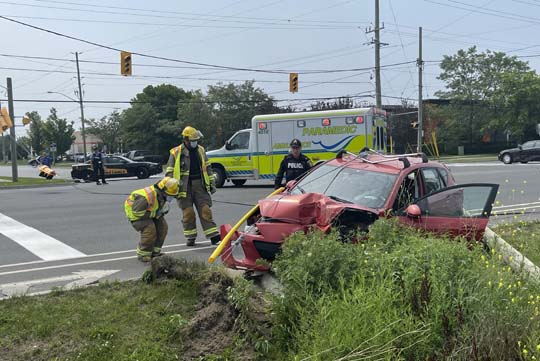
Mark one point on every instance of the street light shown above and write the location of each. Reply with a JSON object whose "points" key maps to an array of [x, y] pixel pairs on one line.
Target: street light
{"points": [[83, 133]]}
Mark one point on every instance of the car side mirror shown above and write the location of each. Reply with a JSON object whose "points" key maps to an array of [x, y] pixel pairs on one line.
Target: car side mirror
{"points": [[228, 145], [413, 211], [291, 184]]}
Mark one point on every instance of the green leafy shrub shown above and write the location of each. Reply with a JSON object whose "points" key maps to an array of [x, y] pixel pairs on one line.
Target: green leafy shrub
{"points": [[401, 295]]}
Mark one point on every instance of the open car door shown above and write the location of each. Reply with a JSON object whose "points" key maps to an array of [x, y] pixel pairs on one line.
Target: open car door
{"points": [[461, 210]]}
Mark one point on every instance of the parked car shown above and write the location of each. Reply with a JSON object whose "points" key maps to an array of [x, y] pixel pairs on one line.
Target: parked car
{"points": [[528, 151], [351, 192], [144, 155], [115, 167]]}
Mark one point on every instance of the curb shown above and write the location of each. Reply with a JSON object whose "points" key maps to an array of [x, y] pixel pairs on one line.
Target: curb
{"points": [[37, 186], [511, 256]]}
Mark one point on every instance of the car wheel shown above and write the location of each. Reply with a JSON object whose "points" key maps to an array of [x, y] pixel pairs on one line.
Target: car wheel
{"points": [[88, 176], [143, 173], [507, 158], [239, 182], [220, 176]]}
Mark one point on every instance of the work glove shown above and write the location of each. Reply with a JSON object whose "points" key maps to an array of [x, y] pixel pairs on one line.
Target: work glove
{"points": [[213, 188]]}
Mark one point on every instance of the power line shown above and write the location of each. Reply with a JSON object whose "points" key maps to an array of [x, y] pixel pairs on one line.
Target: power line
{"points": [[273, 26], [189, 62], [186, 102]]}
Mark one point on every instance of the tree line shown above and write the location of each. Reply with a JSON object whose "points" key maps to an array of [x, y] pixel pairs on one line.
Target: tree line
{"points": [[488, 97]]}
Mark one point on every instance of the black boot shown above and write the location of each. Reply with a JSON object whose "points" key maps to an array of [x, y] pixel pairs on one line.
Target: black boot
{"points": [[215, 240]]}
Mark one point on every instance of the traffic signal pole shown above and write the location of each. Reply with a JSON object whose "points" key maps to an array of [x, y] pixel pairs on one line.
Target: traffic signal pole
{"points": [[83, 133], [14, 171]]}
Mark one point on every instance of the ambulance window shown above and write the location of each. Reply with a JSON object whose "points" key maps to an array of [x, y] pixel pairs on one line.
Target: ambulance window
{"points": [[240, 141]]}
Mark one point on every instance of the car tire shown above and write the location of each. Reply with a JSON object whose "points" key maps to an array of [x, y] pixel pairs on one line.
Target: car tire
{"points": [[506, 158], [239, 182], [143, 173], [220, 176]]}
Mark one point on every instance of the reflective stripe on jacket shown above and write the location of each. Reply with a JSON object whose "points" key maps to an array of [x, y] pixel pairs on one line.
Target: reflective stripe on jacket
{"points": [[178, 167], [150, 195]]}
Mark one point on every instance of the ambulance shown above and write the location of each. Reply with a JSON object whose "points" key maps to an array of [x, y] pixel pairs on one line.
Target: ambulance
{"points": [[256, 153]]}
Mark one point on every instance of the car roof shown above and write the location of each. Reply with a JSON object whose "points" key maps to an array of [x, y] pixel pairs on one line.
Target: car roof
{"points": [[383, 164]]}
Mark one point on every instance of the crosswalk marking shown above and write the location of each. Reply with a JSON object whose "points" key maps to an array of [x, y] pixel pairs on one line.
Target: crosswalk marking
{"points": [[40, 244]]}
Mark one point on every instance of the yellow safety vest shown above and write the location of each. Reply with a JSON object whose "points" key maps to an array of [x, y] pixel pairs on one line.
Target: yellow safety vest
{"points": [[182, 173], [150, 194]]}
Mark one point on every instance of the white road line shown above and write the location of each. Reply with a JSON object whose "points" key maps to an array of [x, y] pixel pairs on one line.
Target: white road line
{"points": [[94, 255], [94, 262], [517, 205], [40, 244]]}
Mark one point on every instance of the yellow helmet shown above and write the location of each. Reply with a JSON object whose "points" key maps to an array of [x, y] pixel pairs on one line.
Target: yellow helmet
{"points": [[191, 133], [169, 185]]}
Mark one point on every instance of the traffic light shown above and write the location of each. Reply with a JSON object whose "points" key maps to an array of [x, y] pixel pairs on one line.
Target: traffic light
{"points": [[5, 120], [26, 120], [414, 125], [293, 82], [125, 63]]}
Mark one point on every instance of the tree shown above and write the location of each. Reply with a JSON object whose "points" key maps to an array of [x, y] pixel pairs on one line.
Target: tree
{"points": [[35, 132], [59, 131], [152, 121], [340, 103], [473, 85], [107, 129], [233, 107]]}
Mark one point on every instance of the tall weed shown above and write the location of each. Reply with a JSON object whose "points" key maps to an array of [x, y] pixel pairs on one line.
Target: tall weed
{"points": [[401, 295]]}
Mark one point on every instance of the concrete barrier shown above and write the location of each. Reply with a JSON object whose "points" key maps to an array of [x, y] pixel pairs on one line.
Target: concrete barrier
{"points": [[511, 256]]}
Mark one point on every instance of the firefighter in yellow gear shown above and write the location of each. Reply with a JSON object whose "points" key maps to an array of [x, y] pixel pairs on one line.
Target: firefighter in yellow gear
{"points": [[145, 208], [189, 164]]}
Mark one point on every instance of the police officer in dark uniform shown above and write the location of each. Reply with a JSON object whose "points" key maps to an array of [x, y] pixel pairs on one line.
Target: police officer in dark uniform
{"points": [[294, 165], [98, 159]]}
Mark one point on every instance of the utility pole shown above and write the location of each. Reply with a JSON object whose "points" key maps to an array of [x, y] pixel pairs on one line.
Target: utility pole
{"points": [[377, 42], [14, 173], [81, 104], [420, 64]]}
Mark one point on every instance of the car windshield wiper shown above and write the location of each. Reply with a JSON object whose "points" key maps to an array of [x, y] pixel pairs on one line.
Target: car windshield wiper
{"points": [[339, 199], [300, 189]]}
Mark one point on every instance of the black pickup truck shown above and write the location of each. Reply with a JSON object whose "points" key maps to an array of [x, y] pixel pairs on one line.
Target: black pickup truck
{"points": [[144, 156]]}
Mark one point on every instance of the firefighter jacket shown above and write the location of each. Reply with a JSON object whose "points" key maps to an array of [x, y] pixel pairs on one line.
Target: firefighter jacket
{"points": [[179, 167], [143, 204], [292, 168]]}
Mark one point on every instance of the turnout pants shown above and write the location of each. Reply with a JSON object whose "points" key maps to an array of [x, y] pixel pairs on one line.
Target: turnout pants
{"points": [[153, 233], [197, 196]]}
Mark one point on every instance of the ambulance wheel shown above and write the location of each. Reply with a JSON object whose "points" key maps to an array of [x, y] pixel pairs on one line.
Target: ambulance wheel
{"points": [[239, 182], [220, 176]]}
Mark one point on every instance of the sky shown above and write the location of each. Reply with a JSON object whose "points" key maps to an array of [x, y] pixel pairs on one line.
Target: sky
{"points": [[274, 35]]}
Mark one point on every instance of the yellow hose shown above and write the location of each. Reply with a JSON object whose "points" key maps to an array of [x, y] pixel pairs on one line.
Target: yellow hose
{"points": [[225, 241]]}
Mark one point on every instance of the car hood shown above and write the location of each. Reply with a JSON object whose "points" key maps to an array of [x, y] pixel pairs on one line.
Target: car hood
{"points": [[215, 152], [511, 150], [305, 209]]}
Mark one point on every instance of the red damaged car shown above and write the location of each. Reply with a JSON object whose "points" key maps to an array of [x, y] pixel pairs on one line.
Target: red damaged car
{"points": [[351, 192]]}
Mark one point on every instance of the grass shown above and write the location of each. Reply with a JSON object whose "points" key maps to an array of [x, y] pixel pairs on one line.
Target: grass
{"points": [[523, 236], [6, 182], [402, 295], [468, 158], [114, 321]]}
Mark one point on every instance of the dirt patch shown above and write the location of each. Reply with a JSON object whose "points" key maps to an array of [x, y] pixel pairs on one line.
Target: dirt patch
{"points": [[213, 329]]}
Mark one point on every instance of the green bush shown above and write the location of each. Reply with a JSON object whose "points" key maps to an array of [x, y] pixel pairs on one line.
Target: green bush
{"points": [[401, 295]]}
